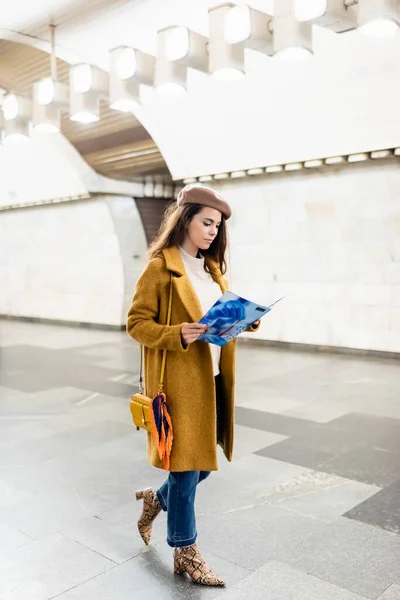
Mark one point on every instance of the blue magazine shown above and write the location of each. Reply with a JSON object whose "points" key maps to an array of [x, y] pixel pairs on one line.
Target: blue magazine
{"points": [[229, 316]]}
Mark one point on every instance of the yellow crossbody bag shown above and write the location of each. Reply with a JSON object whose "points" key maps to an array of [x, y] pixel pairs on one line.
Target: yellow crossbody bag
{"points": [[140, 403]]}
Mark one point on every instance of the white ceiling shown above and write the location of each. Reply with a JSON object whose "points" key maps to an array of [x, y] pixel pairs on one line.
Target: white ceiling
{"points": [[343, 100]]}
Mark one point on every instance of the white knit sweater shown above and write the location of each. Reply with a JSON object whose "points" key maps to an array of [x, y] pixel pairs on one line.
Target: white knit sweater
{"points": [[207, 290]]}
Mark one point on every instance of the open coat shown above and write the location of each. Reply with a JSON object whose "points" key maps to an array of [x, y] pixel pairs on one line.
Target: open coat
{"points": [[189, 379]]}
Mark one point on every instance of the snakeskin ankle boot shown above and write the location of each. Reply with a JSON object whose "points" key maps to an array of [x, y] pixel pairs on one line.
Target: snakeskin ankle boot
{"points": [[151, 508], [189, 560]]}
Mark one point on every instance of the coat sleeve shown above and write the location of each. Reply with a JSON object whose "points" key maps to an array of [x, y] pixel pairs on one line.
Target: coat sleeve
{"points": [[142, 323]]}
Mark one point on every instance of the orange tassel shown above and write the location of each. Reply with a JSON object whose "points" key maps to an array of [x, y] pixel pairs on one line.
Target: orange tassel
{"points": [[161, 423]]}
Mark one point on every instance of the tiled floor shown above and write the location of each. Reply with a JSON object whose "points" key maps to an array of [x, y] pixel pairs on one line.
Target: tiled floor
{"points": [[308, 510]]}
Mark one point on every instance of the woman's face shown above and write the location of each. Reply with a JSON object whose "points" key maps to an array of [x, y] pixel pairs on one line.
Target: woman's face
{"points": [[203, 228]]}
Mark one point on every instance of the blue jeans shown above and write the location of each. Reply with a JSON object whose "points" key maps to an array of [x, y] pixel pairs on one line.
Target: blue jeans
{"points": [[177, 496]]}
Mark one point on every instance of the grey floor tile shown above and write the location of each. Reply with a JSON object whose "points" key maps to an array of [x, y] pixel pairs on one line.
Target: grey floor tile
{"points": [[319, 495], [254, 534], [392, 593], [44, 513], [10, 493], [126, 516], [52, 473], [386, 407], [335, 440], [33, 452], [242, 483], [150, 576], [11, 538], [321, 413], [261, 400], [389, 440], [43, 569], [360, 558], [116, 543], [277, 581], [290, 451], [368, 464], [70, 459], [382, 509], [248, 441], [370, 425], [275, 423], [23, 431]]}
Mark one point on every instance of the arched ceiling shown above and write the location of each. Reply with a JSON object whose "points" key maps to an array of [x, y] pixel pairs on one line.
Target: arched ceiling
{"points": [[343, 100], [117, 146]]}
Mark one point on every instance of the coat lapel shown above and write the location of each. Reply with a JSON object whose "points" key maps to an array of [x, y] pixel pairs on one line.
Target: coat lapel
{"points": [[188, 297], [183, 286]]}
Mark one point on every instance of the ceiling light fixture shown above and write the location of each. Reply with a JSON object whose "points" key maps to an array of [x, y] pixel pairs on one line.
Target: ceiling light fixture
{"points": [[17, 112], [335, 160], [378, 18], [292, 39], [382, 154], [335, 15], [251, 27], [50, 96], [186, 47], [360, 157], [88, 85], [312, 164], [226, 61], [293, 166], [170, 76], [274, 169], [128, 69]]}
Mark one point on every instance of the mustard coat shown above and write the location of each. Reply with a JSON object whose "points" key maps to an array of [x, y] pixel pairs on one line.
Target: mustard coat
{"points": [[189, 379]]}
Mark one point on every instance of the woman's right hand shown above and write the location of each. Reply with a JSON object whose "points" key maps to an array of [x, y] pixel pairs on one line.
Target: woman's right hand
{"points": [[190, 332]]}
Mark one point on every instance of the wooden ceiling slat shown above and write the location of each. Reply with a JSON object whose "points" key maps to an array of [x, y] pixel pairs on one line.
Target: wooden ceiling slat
{"points": [[120, 152], [134, 160]]}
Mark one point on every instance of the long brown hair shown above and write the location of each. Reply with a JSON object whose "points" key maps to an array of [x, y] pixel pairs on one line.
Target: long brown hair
{"points": [[173, 230]]}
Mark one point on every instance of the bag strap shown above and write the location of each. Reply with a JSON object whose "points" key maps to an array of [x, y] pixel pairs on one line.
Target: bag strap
{"points": [[164, 356]]}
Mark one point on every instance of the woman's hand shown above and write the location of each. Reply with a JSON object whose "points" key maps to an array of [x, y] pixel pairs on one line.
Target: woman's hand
{"points": [[190, 332]]}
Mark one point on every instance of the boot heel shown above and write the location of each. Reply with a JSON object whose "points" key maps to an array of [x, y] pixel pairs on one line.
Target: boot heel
{"points": [[178, 569], [188, 560], [140, 495]]}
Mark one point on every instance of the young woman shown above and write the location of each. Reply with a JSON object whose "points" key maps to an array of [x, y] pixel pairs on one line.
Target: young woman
{"points": [[199, 379]]}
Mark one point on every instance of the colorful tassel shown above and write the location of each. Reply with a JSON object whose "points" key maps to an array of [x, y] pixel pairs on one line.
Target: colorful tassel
{"points": [[161, 428]]}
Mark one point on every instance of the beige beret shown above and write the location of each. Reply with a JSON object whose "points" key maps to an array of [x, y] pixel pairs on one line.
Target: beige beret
{"points": [[197, 194]]}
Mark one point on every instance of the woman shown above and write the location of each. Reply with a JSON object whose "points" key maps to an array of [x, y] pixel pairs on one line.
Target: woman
{"points": [[199, 379]]}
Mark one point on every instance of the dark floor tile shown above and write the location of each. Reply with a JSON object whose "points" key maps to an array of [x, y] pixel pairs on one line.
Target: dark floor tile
{"points": [[389, 441], [337, 441], [381, 510], [369, 424], [290, 452], [34, 369], [258, 419], [357, 557], [366, 464], [319, 445]]}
